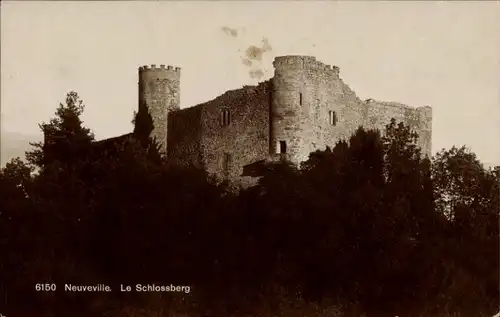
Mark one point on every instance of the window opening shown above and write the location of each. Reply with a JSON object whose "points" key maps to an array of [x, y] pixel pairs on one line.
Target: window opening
{"points": [[226, 164], [332, 117], [283, 147], [225, 118]]}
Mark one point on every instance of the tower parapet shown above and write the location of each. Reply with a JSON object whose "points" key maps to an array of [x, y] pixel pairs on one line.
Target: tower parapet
{"points": [[305, 62], [153, 68], [159, 94]]}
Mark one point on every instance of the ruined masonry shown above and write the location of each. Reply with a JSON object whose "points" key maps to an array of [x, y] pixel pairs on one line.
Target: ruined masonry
{"points": [[305, 107]]}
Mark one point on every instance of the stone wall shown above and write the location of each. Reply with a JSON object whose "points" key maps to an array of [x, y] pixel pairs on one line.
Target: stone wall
{"points": [[305, 91], [349, 114], [198, 134], [159, 93], [247, 125], [380, 113], [184, 137], [425, 129]]}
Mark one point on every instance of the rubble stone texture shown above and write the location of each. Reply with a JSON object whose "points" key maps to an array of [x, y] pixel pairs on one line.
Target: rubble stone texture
{"points": [[305, 107]]}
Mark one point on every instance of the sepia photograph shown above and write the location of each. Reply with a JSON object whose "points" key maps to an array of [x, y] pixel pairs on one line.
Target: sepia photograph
{"points": [[250, 159]]}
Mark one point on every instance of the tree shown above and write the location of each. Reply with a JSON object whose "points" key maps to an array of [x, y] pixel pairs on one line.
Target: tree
{"points": [[143, 126], [15, 191], [65, 138], [357, 223], [17, 176], [48, 211], [468, 195], [459, 179]]}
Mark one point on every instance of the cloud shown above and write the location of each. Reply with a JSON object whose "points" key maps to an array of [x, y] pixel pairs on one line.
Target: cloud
{"points": [[253, 58], [253, 54], [257, 73], [246, 62], [230, 31]]}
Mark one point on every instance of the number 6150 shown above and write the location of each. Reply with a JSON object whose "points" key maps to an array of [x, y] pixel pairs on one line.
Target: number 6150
{"points": [[45, 287]]}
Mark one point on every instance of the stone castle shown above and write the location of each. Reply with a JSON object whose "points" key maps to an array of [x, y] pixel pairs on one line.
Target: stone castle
{"points": [[305, 107]]}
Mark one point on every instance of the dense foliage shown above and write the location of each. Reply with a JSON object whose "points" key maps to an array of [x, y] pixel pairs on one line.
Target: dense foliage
{"points": [[366, 227]]}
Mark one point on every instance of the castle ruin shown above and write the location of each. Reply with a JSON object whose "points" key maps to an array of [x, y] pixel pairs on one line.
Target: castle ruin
{"points": [[305, 107]]}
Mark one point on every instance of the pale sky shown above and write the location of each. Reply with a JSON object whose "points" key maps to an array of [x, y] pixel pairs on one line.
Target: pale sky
{"points": [[442, 54]]}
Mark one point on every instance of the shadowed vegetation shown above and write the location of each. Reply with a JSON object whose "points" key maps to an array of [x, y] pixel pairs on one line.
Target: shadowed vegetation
{"points": [[367, 227]]}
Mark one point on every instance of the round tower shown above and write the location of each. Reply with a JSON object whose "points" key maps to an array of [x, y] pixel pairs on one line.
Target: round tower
{"points": [[425, 130], [289, 109], [159, 94]]}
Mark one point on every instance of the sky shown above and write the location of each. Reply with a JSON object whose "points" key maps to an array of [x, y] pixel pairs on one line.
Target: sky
{"points": [[442, 54]]}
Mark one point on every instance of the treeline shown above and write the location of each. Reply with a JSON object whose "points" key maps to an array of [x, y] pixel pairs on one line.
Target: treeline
{"points": [[365, 228]]}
